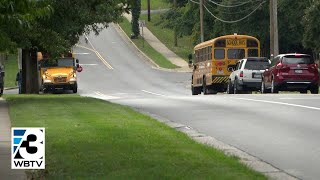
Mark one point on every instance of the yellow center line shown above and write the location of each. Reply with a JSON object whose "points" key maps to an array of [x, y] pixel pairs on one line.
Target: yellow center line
{"points": [[98, 55]]}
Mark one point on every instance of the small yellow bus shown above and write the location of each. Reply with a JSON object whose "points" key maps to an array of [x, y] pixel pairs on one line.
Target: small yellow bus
{"points": [[214, 60]]}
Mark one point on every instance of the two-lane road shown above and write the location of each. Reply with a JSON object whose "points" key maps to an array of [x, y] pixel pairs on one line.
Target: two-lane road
{"points": [[283, 130]]}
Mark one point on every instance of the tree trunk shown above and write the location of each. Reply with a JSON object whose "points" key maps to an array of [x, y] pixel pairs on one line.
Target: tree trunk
{"points": [[30, 82]]}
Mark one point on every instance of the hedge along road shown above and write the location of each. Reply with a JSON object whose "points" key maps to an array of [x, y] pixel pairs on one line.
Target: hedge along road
{"points": [[282, 130]]}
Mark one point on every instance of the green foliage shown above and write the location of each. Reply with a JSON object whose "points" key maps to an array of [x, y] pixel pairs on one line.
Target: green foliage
{"points": [[311, 21], [54, 26], [16, 17], [136, 10], [291, 14]]}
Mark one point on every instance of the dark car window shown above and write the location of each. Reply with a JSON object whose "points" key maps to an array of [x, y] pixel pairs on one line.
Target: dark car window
{"points": [[256, 65], [253, 53], [296, 59], [236, 53]]}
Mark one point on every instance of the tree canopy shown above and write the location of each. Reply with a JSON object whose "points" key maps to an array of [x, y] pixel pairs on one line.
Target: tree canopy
{"points": [[54, 26], [298, 22]]}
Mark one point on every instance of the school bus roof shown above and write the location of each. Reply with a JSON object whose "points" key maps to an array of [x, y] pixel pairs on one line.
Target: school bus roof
{"points": [[211, 42]]}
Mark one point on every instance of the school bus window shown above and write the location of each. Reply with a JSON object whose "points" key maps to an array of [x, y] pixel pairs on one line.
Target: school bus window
{"points": [[252, 43], [219, 54], [253, 53], [236, 53]]}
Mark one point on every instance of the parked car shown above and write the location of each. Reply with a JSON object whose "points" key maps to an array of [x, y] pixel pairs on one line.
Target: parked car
{"points": [[247, 75], [291, 72]]}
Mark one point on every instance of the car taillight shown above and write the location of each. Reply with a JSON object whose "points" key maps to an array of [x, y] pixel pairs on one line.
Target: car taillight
{"points": [[279, 66], [241, 74]]}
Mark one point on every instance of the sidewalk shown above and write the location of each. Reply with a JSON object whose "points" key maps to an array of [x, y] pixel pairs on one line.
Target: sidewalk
{"points": [[5, 142], [161, 48]]}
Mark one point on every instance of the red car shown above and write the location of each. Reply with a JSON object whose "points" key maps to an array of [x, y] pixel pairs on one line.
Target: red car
{"points": [[291, 72]]}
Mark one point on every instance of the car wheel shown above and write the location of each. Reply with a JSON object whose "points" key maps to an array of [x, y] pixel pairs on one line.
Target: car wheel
{"points": [[274, 88], [230, 88], [315, 90], [235, 87]]}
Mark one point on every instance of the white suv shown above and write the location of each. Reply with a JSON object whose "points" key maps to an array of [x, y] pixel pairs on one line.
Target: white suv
{"points": [[247, 75]]}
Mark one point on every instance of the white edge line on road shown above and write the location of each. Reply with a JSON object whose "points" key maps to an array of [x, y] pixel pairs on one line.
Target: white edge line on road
{"points": [[153, 93], [105, 96], [82, 53], [282, 103], [300, 98], [89, 64]]}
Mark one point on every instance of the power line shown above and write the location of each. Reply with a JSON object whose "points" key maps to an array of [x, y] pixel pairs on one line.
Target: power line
{"points": [[194, 2], [235, 21], [231, 6], [233, 13]]}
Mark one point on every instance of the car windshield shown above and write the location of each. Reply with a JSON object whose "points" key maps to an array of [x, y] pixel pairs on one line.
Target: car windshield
{"points": [[256, 65], [296, 59]]}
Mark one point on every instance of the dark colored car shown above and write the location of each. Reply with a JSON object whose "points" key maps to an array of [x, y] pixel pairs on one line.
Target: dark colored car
{"points": [[291, 72]]}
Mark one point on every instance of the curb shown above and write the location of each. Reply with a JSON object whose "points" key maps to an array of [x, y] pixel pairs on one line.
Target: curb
{"points": [[11, 88], [245, 158], [154, 65]]}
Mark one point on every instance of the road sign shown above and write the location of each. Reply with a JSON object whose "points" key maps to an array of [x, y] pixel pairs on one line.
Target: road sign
{"points": [[142, 23]]}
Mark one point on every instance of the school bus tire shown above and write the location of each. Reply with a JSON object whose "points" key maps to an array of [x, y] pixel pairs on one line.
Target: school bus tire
{"points": [[195, 90], [75, 88]]}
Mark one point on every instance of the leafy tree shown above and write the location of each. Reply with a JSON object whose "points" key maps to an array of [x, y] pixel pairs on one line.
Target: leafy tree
{"points": [[136, 10], [55, 33], [311, 23]]}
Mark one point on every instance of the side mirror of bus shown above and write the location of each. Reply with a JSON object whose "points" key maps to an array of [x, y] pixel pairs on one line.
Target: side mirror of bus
{"points": [[77, 63]]}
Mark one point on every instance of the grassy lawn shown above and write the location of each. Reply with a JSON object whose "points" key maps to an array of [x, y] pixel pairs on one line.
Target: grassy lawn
{"points": [[11, 69], [155, 4], [93, 139], [147, 49], [185, 45]]}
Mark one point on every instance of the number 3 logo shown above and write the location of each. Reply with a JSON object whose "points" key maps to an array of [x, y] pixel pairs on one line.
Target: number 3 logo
{"points": [[33, 147]]}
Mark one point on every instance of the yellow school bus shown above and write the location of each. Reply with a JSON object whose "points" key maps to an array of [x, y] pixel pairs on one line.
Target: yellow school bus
{"points": [[214, 60], [59, 73]]}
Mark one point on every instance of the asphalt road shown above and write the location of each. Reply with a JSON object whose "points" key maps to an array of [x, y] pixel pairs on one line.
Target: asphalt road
{"points": [[283, 130]]}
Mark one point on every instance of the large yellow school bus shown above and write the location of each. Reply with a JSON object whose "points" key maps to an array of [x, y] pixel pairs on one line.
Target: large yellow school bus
{"points": [[58, 73], [214, 60]]}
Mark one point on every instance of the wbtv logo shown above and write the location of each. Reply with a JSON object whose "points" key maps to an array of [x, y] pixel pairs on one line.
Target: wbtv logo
{"points": [[28, 148]]}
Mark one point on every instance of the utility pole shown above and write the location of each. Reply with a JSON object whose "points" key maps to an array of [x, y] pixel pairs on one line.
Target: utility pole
{"points": [[201, 21], [274, 42], [149, 13], [175, 28]]}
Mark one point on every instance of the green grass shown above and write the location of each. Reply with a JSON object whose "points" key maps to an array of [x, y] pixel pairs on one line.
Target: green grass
{"points": [[147, 49], [155, 4], [11, 69], [93, 139], [166, 36]]}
